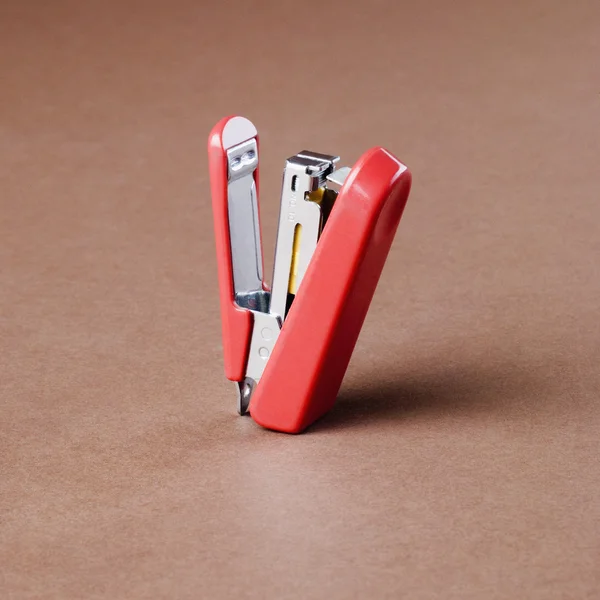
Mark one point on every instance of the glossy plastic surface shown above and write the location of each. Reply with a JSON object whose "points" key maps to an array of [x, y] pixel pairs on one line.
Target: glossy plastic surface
{"points": [[305, 371], [236, 322]]}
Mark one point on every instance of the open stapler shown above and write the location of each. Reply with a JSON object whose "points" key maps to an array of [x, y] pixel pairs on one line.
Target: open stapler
{"points": [[287, 348]]}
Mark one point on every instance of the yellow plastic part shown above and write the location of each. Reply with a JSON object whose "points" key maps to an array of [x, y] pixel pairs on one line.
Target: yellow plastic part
{"points": [[292, 285]]}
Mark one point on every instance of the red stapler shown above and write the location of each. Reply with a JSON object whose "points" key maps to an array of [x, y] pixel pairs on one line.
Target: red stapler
{"points": [[288, 347]]}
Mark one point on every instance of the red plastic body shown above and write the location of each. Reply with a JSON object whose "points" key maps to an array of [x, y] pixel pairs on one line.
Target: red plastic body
{"points": [[305, 370], [236, 322]]}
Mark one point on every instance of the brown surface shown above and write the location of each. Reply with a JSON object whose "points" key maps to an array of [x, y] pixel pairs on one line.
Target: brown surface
{"points": [[462, 458]]}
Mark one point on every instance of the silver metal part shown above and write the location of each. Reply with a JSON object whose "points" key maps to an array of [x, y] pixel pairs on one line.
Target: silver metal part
{"points": [[244, 391], [264, 335], [258, 300], [339, 176], [244, 232], [304, 173]]}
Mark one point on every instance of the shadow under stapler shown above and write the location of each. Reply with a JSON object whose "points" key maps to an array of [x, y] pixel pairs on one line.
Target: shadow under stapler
{"points": [[458, 389]]}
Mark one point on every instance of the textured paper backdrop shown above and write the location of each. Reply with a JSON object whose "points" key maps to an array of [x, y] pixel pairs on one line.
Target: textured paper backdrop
{"points": [[461, 461]]}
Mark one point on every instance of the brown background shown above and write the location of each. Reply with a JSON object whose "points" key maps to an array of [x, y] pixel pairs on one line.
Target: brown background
{"points": [[462, 458]]}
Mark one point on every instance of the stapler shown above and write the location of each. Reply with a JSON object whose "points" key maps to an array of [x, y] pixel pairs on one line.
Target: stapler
{"points": [[287, 347]]}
